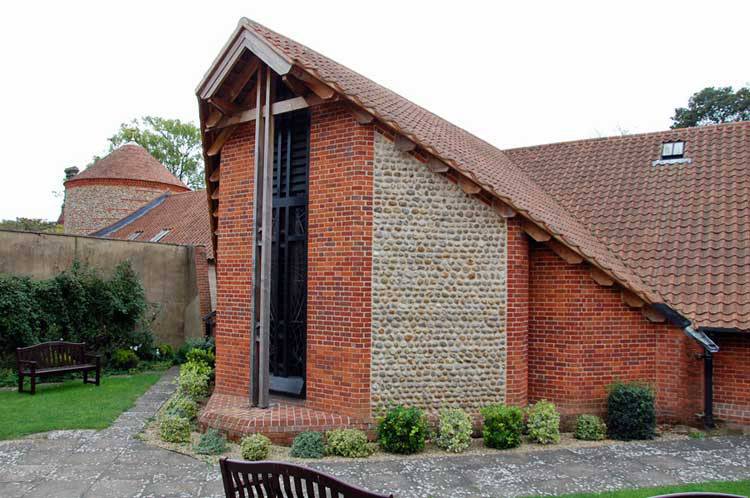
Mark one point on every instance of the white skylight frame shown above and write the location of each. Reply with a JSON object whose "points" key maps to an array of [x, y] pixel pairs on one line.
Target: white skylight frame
{"points": [[163, 233]]}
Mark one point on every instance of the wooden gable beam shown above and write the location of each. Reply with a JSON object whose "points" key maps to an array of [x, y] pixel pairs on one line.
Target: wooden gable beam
{"points": [[360, 116], [503, 209], [226, 107], [535, 232], [214, 176], [565, 253], [319, 88], [468, 186], [215, 194], [295, 85], [220, 140], [234, 88], [403, 144], [631, 299], [277, 108], [601, 278], [437, 166]]}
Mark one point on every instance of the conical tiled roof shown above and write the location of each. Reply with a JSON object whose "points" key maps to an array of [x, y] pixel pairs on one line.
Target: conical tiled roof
{"points": [[129, 162]]}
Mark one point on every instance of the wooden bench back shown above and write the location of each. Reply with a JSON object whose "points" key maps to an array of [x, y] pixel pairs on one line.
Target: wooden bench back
{"points": [[54, 354], [279, 480]]}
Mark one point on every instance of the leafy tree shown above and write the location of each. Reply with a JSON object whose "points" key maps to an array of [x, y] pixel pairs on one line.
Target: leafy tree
{"points": [[30, 225], [176, 144], [714, 105]]}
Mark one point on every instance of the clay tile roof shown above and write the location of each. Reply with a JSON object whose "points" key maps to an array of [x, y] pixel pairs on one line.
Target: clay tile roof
{"points": [[185, 215], [484, 163], [129, 162], [683, 228]]}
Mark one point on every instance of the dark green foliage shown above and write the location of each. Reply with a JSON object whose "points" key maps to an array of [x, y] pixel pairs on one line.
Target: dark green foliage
{"points": [[503, 426], [197, 355], [714, 105], [590, 428], [124, 359], [402, 430], [631, 412], [211, 443], [164, 352], [175, 144], [206, 343], [31, 225], [77, 305], [308, 445]]}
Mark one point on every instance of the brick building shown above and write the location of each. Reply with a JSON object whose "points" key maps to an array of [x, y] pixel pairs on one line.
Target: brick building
{"points": [[129, 195], [407, 261]]}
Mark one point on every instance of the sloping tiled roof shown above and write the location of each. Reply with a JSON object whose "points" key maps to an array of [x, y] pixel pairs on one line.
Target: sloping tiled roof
{"points": [[129, 162], [185, 215], [477, 159], [683, 228]]}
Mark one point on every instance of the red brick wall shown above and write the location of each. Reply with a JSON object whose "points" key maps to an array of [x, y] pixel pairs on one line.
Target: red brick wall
{"points": [[517, 328], [339, 262], [582, 338], [732, 378], [201, 276], [234, 263]]}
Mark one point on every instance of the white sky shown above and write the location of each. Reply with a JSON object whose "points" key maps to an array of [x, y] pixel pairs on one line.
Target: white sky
{"points": [[514, 73]]}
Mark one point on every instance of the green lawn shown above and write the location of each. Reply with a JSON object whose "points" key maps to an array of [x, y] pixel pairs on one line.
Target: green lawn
{"points": [[730, 487], [70, 405]]}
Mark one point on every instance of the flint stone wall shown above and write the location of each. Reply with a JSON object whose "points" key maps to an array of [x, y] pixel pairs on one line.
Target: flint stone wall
{"points": [[438, 290]]}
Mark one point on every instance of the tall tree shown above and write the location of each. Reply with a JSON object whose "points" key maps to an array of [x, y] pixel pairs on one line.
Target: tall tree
{"points": [[176, 144], [714, 105]]}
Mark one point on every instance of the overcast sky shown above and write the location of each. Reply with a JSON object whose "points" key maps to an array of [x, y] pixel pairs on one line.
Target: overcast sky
{"points": [[519, 73]]}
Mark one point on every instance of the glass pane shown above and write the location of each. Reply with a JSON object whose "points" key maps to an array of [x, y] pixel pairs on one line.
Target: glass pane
{"points": [[666, 150], [677, 148]]}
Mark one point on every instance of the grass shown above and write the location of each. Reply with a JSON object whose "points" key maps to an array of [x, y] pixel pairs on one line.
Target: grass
{"points": [[730, 487], [70, 405]]}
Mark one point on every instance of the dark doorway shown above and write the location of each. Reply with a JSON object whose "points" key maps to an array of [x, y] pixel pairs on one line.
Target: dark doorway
{"points": [[288, 328]]}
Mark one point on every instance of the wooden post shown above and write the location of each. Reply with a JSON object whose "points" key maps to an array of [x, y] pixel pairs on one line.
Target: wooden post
{"points": [[265, 261], [256, 238]]}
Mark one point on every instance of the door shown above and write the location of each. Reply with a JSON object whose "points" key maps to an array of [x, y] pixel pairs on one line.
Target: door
{"points": [[288, 328]]}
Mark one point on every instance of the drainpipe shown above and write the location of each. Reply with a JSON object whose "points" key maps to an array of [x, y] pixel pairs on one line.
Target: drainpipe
{"points": [[709, 348]]}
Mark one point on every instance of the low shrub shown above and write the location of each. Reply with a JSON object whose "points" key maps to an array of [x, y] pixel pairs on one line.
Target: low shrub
{"points": [[454, 430], [211, 443], [696, 434], [198, 367], [503, 426], [255, 447], [543, 423], [197, 355], [308, 445], [124, 359], [181, 406], [193, 384], [349, 443], [164, 352], [174, 429], [590, 428], [402, 430], [206, 343], [631, 412]]}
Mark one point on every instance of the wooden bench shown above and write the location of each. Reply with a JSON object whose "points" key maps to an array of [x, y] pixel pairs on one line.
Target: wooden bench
{"points": [[280, 480], [55, 358]]}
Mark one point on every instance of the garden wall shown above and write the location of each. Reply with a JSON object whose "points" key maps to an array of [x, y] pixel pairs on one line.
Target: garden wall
{"points": [[167, 272]]}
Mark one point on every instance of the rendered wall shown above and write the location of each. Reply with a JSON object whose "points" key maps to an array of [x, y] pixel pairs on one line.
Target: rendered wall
{"points": [[167, 272], [438, 290]]}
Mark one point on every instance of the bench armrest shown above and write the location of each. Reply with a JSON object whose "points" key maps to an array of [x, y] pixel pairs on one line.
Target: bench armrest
{"points": [[31, 364], [96, 357]]}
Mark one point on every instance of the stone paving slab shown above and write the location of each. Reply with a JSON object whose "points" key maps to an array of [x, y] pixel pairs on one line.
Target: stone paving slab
{"points": [[115, 463]]}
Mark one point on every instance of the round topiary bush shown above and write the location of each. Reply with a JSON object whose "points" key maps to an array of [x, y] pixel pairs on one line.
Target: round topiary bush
{"points": [[181, 406], [503, 426], [211, 443], [349, 443], [308, 445], [631, 411], [124, 359], [173, 429], [454, 430], [402, 430], [590, 428], [543, 423], [193, 384], [255, 447]]}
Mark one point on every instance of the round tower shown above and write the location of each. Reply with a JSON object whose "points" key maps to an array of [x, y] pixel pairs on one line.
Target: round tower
{"points": [[113, 187]]}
